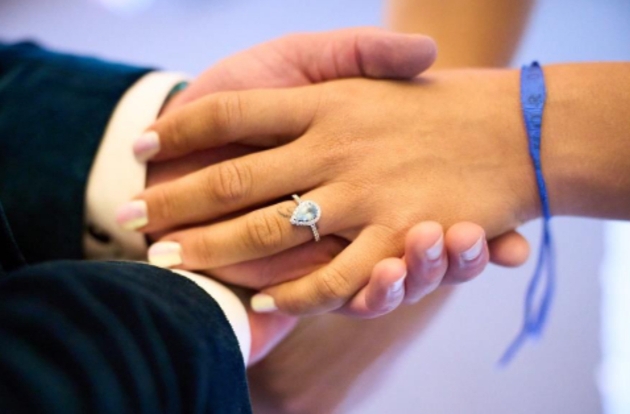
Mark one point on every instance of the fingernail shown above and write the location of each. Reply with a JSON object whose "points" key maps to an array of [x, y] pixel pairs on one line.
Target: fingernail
{"points": [[133, 215], [398, 285], [165, 254], [263, 303], [146, 146], [435, 252], [474, 252]]}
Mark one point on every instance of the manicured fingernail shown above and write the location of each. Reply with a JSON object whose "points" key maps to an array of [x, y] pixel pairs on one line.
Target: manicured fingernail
{"points": [[435, 252], [474, 252], [165, 254], [146, 146], [132, 215], [263, 303], [398, 285]]}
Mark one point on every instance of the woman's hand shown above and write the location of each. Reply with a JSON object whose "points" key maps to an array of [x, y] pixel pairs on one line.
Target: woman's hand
{"points": [[312, 58], [377, 156]]}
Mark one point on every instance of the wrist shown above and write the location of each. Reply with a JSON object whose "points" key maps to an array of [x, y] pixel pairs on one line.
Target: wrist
{"points": [[509, 126], [559, 161], [584, 141]]}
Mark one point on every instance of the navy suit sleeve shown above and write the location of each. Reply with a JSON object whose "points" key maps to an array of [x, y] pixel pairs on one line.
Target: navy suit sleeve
{"points": [[89, 337], [53, 112]]}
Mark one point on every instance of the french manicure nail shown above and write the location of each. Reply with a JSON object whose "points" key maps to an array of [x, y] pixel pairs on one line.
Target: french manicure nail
{"points": [[146, 146], [133, 215], [263, 303], [473, 252], [165, 254], [435, 252]]}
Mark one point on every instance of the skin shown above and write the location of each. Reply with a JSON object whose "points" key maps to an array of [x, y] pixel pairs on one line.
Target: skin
{"points": [[302, 65], [584, 178], [286, 381], [274, 383], [510, 249], [339, 124], [377, 61], [482, 160]]}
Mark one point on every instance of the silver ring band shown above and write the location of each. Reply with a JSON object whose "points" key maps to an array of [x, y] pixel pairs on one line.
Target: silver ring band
{"points": [[306, 214]]}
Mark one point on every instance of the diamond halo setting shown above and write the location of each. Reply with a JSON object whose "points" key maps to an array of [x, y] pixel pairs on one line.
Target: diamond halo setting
{"points": [[306, 214]]}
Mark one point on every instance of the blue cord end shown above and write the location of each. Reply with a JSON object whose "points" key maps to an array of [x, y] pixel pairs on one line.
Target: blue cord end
{"points": [[541, 288]]}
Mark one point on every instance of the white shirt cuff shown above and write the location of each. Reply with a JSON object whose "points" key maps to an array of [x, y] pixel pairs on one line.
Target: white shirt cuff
{"points": [[116, 175], [232, 307]]}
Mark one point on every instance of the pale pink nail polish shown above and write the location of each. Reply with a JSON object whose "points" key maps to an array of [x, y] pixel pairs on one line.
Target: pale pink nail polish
{"points": [[132, 215], [398, 285], [435, 252], [263, 303], [473, 252], [165, 254], [146, 146]]}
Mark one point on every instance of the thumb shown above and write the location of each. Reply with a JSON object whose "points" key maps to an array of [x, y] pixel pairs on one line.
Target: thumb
{"points": [[366, 52], [307, 58]]}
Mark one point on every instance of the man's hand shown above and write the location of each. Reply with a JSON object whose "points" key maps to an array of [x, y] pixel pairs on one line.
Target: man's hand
{"points": [[303, 59]]}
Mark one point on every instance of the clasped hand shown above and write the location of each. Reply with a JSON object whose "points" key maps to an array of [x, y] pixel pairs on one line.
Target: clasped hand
{"points": [[377, 156]]}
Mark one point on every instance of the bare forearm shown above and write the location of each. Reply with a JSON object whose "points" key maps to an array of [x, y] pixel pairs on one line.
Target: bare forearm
{"points": [[468, 33], [586, 139]]}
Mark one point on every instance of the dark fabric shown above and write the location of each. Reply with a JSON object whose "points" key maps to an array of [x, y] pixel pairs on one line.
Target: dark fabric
{"points": [[53, 112], [89, 337], [10, 255]]}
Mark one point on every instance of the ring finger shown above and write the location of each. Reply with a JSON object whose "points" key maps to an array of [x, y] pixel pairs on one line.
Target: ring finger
{"points": [[257, 234]]}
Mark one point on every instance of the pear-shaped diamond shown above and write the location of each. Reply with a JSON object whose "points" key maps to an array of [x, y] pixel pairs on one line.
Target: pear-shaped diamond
{"points": [[306, 213]]}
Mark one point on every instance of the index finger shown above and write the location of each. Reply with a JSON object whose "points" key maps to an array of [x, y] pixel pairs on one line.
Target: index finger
{"points": [[259, 118]]}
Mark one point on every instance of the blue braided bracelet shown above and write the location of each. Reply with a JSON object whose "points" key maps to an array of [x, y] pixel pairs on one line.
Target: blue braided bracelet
{"points": [[542, 284]]}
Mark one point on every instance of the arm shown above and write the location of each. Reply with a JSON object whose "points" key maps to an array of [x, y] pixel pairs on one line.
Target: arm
{"points": [[65, 161], [482, 33], [115, 337], [586, 140], [53, 111]]}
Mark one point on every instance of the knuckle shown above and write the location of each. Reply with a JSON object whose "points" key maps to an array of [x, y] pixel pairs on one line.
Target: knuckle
{"points": [[294, 303], [329, 155], [332, 284], [172, 133], [233, 182], [227, 111], [202, 248], [162, 207], [265, 232]]}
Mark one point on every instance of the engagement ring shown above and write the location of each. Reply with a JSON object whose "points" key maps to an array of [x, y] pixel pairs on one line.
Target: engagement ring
{"points": [[306, 214]]}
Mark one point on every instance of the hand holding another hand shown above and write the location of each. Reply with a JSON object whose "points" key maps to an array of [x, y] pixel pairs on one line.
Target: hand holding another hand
{"points": [[381, 294]]}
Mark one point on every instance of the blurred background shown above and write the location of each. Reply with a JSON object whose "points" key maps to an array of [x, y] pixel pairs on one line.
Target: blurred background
{"points": [[582, 365]]}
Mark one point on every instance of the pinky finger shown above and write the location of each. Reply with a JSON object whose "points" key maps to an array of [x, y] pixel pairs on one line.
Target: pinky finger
{"points": [[384, 292]]}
